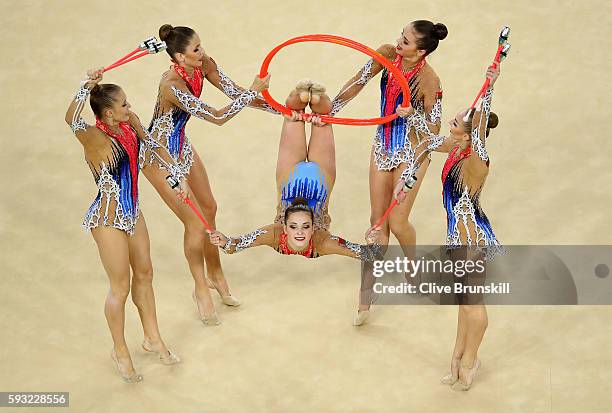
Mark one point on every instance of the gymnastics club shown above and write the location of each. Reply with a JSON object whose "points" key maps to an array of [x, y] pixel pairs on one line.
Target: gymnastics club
{"points": [[502, 50], [145, 45], [193, 207], [149, 46], [407, 187], [173, 184], [412, 179]]}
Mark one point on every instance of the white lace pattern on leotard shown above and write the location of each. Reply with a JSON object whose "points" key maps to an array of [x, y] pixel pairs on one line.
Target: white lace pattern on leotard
{"points": [[199, 109], [366, 253], [365, 74], [478, 145], [416, 122], [162, 128], [242, 242], [106, 209], [77, 122], [464, 212]]}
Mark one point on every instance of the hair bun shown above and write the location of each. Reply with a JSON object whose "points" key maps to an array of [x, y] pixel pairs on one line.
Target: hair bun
{"points": [[493, 121], [299, 201], [441, 31], [164, 31]]}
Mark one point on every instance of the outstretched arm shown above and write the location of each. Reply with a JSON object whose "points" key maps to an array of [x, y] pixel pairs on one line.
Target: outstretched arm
{"points": [[356, 83], [177, 93], [333, 244], [231, 245], [216, 76]]}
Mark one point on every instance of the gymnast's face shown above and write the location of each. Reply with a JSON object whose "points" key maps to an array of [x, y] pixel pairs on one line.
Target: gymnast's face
{"points": [[458, 134], [407, 44], [193, 54], [120, 111], [299, 230]]}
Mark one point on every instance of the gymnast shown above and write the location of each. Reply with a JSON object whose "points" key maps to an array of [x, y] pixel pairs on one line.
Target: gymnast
{"points": [[114, 218], [305, 176], [468, 228], [178, 100], [395, 145]]}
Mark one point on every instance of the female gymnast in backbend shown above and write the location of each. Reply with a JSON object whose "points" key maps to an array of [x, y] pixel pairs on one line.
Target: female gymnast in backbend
{"points": [[177, 101], [469, 233], [114, 219], [395, 143], [305, 176]]}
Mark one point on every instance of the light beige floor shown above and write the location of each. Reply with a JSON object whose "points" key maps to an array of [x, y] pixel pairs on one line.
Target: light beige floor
{"points": [[291, 347]]}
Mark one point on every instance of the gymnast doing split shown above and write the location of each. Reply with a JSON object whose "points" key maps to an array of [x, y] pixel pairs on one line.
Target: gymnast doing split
{"points": [[305, 177]]}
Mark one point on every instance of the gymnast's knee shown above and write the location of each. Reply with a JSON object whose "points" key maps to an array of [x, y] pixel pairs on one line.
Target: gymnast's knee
{"points": [[195, 231], [144, 276], [120, 291], [400, 226], [209, 208]]}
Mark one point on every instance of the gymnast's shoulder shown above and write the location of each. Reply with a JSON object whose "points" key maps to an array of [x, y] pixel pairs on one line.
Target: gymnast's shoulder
{"points": [[170, 77], [429, 76], [387, 50]]}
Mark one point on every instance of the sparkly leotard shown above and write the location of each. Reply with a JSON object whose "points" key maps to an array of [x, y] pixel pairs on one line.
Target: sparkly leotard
{"points": [[115, 170], [467, 224], [168, 128], [394, 142], [398, 141], [117, 202]]}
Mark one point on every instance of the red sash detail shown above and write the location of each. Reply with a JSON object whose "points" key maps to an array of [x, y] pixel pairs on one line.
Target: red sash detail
{"points": [[392, 92], [453, 158], [129, 141], [193, 83]]}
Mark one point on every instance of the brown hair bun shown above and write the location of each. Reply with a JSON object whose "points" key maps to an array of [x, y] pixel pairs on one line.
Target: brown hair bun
{"points": [[164, 31]]}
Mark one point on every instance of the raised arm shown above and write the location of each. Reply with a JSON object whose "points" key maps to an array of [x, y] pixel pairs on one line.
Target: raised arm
{"points": [[231, 245], [356, 83], [479, 131], [73, 114], [480, 120], [177, 93], [216, 76]]}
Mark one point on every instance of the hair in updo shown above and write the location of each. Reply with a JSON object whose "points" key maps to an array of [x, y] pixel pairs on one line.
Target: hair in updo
{"points": [[102, 96], [429, 34], [299, 204], [491, 124], [176, 38]]}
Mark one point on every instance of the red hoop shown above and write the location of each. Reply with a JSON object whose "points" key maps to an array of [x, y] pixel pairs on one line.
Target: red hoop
{"points": [[353, 45]]}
